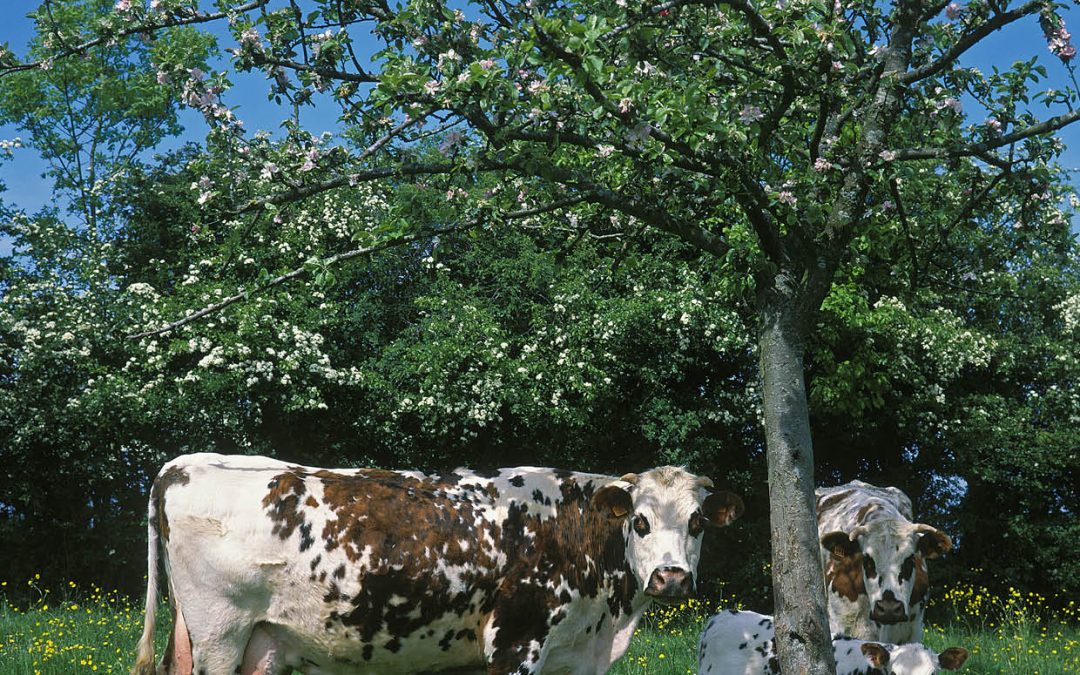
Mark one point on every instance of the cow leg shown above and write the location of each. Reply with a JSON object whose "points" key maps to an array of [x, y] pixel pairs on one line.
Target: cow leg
{"points": [[262, 656]]}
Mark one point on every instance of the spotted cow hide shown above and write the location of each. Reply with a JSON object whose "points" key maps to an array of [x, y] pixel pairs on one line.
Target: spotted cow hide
{"points": [[743, 643], [273, 567]]}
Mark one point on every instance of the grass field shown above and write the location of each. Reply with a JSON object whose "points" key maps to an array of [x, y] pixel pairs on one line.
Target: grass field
{"points": [[85, 630]]}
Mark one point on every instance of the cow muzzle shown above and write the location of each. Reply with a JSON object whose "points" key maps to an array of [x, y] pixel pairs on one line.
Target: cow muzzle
{"points": [[670, 583], [888, 610]]}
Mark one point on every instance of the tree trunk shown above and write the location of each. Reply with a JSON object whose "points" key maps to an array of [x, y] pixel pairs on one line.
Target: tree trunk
{"points": [[803, 642]]}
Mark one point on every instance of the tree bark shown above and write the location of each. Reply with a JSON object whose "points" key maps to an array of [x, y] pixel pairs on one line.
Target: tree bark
{"points": [[803, 642]]}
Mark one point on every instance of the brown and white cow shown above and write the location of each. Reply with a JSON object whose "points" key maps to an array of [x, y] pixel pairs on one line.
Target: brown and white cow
{"points": [[273, 567], [874, 559]]}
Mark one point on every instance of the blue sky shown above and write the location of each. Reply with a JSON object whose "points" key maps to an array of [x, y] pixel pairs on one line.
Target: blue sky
{"points": [[26, 187]]}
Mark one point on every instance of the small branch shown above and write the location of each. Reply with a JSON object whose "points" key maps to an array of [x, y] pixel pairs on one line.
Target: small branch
{"points": [[377, 145], [983, 149], [304, 191], [344, 257], [933, 9], [913, 277], [497, 14], [260, 58], [643, 210], [652, 12], [445, 126], [277, 281], [761, 27], [547, 208], [969, 40], [138, 28]]}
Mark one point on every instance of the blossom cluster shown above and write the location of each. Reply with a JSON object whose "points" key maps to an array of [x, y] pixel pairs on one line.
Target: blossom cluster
{"points": [[199, 93], [1058, 39]]}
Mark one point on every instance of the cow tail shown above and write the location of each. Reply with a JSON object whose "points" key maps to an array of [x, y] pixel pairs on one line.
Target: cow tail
{"points": [[144, 656]]}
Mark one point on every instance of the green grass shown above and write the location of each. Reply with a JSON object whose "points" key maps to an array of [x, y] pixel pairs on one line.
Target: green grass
{"points": [[74, 631], [88, 630]]}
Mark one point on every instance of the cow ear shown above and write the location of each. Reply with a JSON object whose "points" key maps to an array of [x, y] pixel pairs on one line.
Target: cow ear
{"points": [[933, 542], [875, 654], [839, 544], [612, 501], [952, 658], [722, 508]]}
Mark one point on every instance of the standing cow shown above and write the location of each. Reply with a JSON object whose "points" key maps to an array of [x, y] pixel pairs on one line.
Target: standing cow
{"points": [[874, 559], [273, 567], [742, 643]]}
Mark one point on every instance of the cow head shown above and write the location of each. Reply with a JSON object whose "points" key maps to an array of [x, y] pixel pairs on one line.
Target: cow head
{"points": [[889, 558], [909, 659], [664, 513]]}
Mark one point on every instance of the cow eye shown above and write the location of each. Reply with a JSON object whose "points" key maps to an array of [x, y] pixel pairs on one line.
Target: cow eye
{"points": [[907, 568], [697, 524], [641, 525], [869, 566]]}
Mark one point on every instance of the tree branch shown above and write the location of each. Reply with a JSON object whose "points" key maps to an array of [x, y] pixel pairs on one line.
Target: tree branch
{"points": [[753, 201], [299, 192], [787, 78], [652, 12], [972, 38], [134, 30], [277, 281], [901, 211], [344, 257], [262, 59], [982, 150], [641, 209]]}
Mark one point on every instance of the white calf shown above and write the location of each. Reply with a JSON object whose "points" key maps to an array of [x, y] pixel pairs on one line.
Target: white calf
{"points": [[741, 643]]}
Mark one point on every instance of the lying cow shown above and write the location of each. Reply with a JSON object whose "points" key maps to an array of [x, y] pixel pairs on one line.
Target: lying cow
{"points": [[874, 559], [742, 643], [273, 567]]}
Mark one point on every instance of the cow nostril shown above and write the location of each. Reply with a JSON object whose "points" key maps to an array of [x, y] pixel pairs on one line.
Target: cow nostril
{"points": [[670, 582], [888, 610], [687, 584]]}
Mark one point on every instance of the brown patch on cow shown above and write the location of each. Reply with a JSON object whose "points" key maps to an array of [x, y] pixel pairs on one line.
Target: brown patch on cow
{"points": [[411, 519], [952, 658], [403, 528], [860, 516], [921, 588], [844, 575], [934, 543], [612, 501], [312, 502], [824, 503], [581, 546], [282, 500], [174, 475], [722, 508], [839, 544], [876, 654]]}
